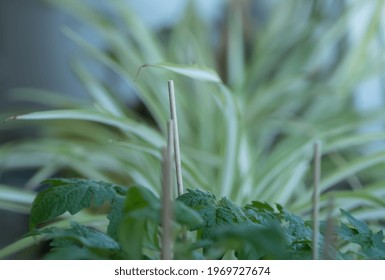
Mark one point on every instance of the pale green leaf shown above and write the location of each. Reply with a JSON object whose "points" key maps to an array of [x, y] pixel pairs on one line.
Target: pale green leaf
{"points": [[194, 71], [146, 133]]}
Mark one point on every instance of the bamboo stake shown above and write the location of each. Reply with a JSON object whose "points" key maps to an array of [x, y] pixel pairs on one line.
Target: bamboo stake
{"points": [[315, 214], [166, 211], [178, 165], [329, 232]]}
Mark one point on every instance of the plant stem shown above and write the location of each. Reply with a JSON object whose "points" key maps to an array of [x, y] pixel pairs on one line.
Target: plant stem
{"points": [[315, 214], [178, 165], [166, 211]]}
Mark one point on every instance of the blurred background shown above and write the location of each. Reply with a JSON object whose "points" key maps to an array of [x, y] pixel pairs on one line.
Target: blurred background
{"points": [[319, 65]]}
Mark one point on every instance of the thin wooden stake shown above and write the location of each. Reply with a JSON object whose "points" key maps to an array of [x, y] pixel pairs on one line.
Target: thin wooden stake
{"points": [[329, 243], [178, 165], [315, 214], [166, 210]]}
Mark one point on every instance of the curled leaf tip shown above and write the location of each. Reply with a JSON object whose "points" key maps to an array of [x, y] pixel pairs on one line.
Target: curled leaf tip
{"points": [[11, 118], [138, 72]]}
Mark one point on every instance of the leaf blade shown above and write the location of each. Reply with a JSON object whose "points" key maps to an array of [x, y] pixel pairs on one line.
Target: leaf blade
{"points": [[195, 71], [69, 195]]}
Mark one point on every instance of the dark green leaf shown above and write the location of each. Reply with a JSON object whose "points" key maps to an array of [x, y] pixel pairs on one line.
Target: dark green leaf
{"points": [[131, 235], [294, 227], [78, 253], [197, 198], [377, 250], [361, 227], [140, 198], [260, 212], [71, 195], [187, 216], [261, 207], [205, 204], [136, 230], [80, 235], [115, 216], [215, 214], [229, 212], [346, 233], [372, 245], [252, 241]]}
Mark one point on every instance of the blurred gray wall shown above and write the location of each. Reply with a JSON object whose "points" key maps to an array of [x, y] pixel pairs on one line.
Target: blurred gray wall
{"points": [[33, 51]]}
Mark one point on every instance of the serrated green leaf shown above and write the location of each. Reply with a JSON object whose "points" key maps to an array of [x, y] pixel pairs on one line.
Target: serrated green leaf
{"points": [[215, 214], [260, 212], [205, 204], [230, 213], [260, 207], [81, 236], [345, 232], [372, 245], [195, 198], [70, 195], [294, 227], [377, 250], [78, 242], [360, 226]]}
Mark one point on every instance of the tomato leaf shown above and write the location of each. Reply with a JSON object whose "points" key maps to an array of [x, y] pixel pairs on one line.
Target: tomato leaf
{"points": [[372, 244], [73, 195]]}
